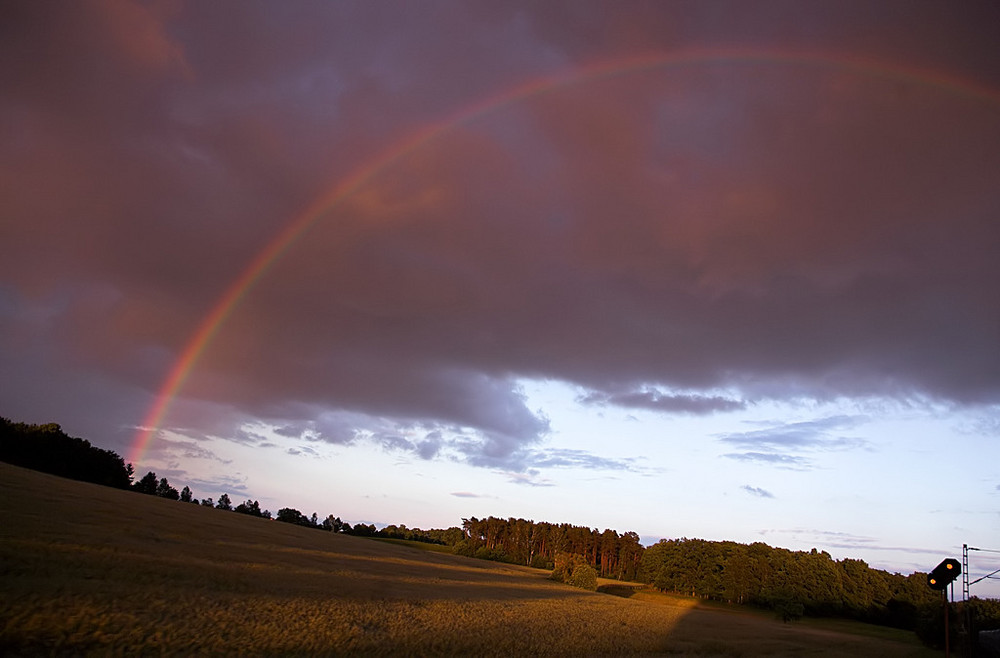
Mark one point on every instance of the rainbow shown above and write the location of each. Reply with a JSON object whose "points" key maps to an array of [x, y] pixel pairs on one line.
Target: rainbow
{"points": [[272, 252]]}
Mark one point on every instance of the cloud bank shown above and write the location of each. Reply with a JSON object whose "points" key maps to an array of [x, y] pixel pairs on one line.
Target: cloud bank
{"points": [[772, 227]]}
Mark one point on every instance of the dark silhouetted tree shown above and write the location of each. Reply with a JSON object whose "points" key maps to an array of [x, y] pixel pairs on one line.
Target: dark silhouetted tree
{"points": [[250, 508], [186, 495], [333, 524], [362, 530], [48, 449], [294, 516], [164, 490], [147, 484], [290, 515], [224, 503]]}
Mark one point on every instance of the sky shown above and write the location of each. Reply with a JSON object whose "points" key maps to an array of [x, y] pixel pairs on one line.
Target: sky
{"points": [[724, 270]]}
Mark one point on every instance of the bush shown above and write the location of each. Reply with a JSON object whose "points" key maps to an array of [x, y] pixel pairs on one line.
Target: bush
{"points": [[574, 570], [584, 576]]}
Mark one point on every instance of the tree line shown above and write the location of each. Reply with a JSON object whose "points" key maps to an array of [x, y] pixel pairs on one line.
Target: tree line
{"points": [[791, 583], [149, 484], [536, 544], [48, 449]]}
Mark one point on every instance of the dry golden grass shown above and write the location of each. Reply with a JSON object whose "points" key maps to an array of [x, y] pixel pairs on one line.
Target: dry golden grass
{"points": [[90, 570]]}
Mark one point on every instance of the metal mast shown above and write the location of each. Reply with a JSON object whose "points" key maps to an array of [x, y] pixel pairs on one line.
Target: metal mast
{"points": [[965, 571]]}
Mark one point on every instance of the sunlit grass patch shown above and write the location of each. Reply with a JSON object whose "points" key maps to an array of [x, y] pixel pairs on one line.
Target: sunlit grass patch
{"points": [[264, 625]]}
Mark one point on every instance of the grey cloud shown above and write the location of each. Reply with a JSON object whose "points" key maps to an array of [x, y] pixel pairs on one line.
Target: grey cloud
{"points": [[775, 443], [530, 478], [430, 446], [290, 431], [790, 462], [844, 540], [393, 442], [989, 422], [246, 436], [805, 435], [570, 458], [188, 450], [756, 491], [233, 485], [650, 398]]}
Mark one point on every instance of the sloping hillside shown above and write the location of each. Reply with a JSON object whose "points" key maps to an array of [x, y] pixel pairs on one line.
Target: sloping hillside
{"points": [[89, 569]]}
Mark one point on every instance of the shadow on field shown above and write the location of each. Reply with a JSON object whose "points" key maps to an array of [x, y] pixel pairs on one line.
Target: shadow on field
{"points": [[623, 591], [718, 630]]}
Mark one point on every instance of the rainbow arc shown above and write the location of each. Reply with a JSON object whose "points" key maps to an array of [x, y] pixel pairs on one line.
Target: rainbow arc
{"points": [[295, 229]]}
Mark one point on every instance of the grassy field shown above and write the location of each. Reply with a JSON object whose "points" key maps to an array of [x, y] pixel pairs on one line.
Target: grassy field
{"points": [[87, 570]]}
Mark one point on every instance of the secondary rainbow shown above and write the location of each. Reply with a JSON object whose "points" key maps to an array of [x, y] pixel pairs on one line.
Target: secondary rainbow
{"points": [[210, 325]]}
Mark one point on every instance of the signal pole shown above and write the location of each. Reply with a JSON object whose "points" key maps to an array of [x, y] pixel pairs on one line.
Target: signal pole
{"points": [[970, 632], [967, 622], [965, 571], [947, 639], [943, 575]]}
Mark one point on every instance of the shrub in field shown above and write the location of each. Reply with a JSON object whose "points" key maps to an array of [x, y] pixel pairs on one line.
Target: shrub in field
{"points": [[574, 570], [584, 576], [563, 566]]}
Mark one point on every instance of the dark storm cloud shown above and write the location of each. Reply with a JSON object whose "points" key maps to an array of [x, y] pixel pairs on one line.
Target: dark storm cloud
{"points": [[770, 228]]}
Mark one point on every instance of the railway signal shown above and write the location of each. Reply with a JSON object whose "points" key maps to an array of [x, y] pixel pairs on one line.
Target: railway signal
{"points": [[944, 574]]}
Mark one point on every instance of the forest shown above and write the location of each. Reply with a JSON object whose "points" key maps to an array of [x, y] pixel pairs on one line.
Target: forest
{"points": [[791, 583]]}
